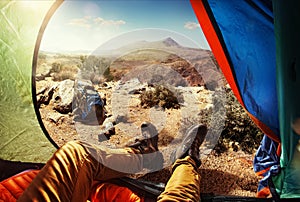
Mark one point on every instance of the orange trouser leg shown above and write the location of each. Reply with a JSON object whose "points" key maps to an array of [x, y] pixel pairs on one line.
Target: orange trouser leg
{"points": [[184, 184], [69, 174]]}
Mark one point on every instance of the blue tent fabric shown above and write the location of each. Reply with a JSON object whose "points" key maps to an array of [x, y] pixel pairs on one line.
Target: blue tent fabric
{"points": [[266, 161], [245, 30]]}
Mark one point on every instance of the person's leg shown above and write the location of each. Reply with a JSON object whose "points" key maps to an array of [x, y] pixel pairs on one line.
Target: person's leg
{"points": [[184, 184], [69, 174]]}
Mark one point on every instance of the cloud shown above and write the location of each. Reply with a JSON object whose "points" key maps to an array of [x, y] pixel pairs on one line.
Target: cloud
{"points": [[191, 25], [88, 22], [81, 22], [101, 21]]}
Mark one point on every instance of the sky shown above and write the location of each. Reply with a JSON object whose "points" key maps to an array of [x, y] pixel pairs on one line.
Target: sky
{"points": [[86, 25]]}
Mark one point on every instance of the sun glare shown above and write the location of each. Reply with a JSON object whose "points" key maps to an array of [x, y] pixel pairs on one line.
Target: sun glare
{"points": [[35, 5]]}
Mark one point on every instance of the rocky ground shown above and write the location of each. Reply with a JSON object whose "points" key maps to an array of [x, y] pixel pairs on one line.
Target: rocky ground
{"points": [[132, 98], [225, 170]]}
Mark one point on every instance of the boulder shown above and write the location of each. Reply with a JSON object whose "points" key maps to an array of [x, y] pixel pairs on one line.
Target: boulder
{"points": [[63, 96], [43, 71], [45, 95]]}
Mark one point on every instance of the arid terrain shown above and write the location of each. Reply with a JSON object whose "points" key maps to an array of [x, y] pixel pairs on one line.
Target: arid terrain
{"points": [[172, 87]]}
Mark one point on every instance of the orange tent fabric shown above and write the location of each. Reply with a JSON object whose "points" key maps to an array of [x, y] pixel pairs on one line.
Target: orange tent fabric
{"points": [[12, 188], [111, 192]]}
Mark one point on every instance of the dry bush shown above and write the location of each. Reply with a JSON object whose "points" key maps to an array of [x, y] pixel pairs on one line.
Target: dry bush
{"points": [[240, 131], [65, 72], [159, 96], [56, 67]]}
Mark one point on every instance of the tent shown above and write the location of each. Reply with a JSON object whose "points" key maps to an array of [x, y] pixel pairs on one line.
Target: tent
{"points": [[21, 135], [254, 42]]}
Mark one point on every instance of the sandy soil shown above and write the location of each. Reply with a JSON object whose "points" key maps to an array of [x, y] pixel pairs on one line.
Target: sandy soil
{"points": [[227, 173]]}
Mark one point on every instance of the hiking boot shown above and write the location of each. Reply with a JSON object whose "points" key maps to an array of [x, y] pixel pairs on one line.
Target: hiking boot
{"points": [[191, 143], [152, 158], [150, 142]]}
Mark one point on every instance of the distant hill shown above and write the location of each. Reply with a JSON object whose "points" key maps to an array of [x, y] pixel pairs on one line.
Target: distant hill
{"points": [[165, 59], [70, 53], [168, 60], [168, 44]]}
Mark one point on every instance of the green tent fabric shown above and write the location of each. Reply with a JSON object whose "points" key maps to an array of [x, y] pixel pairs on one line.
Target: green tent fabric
{"points": [[21, 137], [287, 26]]}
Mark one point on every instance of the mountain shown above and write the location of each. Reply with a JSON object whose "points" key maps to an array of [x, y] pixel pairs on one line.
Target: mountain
{"points": [[168, 44], [165, 59]]}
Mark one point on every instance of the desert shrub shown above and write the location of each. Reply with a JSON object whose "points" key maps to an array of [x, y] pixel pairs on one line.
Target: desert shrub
{"points": [[82, 58], [66, 72], [96, 68], [240, 132], [107, 75], [41, 58], [98, 78], [159, 96], [56, 67]]}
